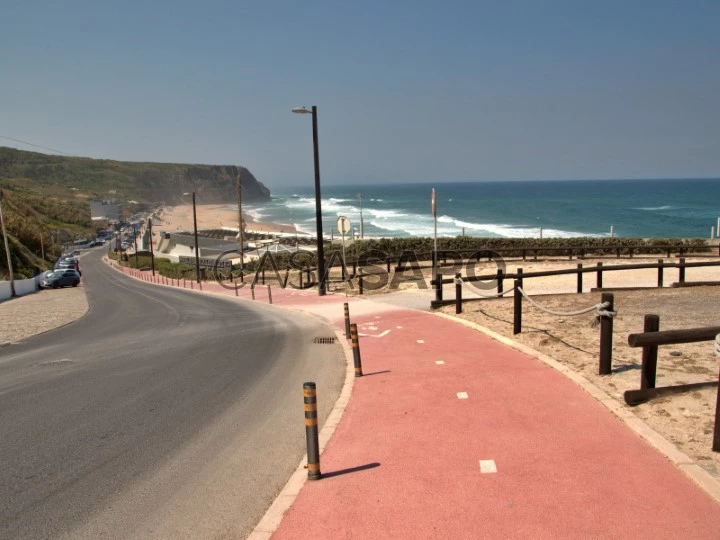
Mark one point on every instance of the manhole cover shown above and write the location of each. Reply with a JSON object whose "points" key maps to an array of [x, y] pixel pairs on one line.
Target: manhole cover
{"points": [[324, 340]]}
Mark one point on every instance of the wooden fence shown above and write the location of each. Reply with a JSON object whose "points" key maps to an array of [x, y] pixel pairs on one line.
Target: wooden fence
{"points": [[650, 339]]}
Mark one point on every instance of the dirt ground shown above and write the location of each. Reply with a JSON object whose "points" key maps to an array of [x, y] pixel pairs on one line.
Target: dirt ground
{"points": [[685, 419]]}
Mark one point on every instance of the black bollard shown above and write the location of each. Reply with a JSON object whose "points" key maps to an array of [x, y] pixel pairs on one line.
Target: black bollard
{"points": [[356, 349], [660, 273], [347, 320], [438, 287], [311, 431]]}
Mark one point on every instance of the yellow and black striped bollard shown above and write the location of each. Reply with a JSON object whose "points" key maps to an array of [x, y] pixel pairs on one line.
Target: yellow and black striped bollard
{"points": [[311, 431], [347, 320], [356, 349]]}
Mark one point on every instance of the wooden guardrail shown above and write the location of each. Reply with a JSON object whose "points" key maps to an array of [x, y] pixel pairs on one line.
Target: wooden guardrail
{"points": [[598, 270], [650, 339]]}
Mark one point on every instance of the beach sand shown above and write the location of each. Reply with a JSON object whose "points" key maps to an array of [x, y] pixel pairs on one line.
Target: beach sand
{"points": [[213, 216]]}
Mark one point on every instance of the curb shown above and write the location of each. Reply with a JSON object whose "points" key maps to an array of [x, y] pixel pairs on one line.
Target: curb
{"points": [[272, 518], [703, 479], [285, 499]]}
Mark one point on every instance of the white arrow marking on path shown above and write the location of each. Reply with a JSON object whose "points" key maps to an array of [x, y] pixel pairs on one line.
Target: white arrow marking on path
{"points": [[381, 334]]}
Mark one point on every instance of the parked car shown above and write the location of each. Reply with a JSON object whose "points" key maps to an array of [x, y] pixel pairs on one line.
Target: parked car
{"points": [[61, 278]]}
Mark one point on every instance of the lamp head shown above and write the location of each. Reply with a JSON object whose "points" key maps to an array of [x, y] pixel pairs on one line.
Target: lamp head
{"points": [[302, 110]]}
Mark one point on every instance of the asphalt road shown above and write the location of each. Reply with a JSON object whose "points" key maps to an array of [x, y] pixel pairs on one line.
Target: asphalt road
{"points": [[160, 414]]}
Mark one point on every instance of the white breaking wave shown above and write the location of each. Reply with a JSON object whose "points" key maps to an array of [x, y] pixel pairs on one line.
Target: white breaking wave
{"points": [[651, 208]]}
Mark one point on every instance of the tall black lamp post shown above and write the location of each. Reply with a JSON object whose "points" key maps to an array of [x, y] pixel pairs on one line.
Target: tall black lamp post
{"points": [[318, 208], [197, 247]]}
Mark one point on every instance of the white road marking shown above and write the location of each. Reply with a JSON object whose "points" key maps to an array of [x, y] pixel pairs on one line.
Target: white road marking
{"points": [[398, 327], [381, 334], [439, 362], [462, 395], [421, 341], [487, 466]]}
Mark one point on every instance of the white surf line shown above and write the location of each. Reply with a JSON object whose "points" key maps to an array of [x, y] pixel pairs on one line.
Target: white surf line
{"points": [[488, 466], [462, 395]]}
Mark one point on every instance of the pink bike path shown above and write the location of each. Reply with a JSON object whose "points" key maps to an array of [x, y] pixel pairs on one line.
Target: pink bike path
{"points": [[437, 401]]}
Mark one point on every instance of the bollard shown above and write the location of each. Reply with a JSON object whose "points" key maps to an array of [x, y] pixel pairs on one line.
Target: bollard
{"points": [[252, 291], [269, 295], [235, 287], [660, 273], [649, 355], [606, 330], [346, 307], [263, 275], [311, 431], [300, 274], [599, 275], [579, 279], [361, 281], [356, 349], [681, 270], [200, 285], [458, 293], [191, 285], [499, 281], [517, 308], [438, 287]]}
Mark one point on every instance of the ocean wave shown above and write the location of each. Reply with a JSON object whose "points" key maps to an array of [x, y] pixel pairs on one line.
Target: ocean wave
{"points": [[653, 208]]}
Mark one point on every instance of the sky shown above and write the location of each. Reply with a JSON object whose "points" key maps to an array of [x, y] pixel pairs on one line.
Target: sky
{"points": [[407, 91]]}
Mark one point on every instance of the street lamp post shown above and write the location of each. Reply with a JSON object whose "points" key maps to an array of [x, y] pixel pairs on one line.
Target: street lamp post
{"points": [[152, 252], [197, 247], [7, 247], [318, 207]]}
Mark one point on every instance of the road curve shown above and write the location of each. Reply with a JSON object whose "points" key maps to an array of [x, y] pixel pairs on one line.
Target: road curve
{"points": [[160, 414]]}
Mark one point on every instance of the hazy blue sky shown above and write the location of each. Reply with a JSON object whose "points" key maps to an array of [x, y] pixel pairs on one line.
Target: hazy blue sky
{"points": [[406, 91]]}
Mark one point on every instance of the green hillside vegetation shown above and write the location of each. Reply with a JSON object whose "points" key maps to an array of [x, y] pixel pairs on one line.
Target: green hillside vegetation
{"points": [[46, 197]]}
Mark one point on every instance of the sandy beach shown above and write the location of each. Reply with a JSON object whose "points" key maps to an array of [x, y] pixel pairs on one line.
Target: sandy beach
{"points": [[213, 216]]}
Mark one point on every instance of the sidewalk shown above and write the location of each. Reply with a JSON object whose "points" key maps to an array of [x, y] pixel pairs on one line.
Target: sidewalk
{"points": [[491, 443]]}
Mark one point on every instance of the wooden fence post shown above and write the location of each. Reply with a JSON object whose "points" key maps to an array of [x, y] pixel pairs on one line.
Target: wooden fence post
{"points": [[499, 281], [660, 273], [606, 329], [361, 285], [579, 279], [599, 276], [649, 354], [716, 431], [458, 293], [517, 307], [681, 270]]}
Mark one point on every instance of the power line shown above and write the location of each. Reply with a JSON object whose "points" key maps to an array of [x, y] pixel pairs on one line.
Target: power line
{"points": [[35, 145]]}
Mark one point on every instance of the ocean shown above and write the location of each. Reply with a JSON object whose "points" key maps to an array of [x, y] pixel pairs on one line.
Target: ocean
{"points": [[634, 208]]}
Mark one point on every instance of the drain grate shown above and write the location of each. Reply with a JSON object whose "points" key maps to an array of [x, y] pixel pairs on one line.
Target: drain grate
{"points": [[324, 340]]}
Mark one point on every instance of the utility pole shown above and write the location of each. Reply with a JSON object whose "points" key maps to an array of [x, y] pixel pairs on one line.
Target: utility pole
{"points": [[240, 222], [7, 247]]}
